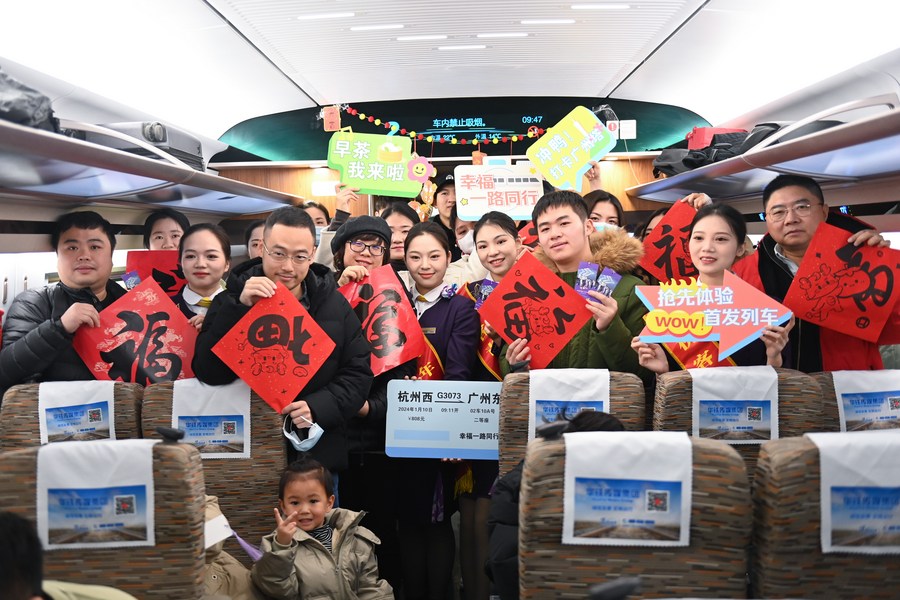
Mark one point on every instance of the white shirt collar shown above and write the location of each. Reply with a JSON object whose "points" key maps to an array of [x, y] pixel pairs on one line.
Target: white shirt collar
{"points": [[791, 265], [191, 298], [430, 299]]}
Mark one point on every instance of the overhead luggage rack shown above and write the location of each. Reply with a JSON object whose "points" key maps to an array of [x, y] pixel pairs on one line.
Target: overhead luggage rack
{"points": [[42, 165], [864, 149]]}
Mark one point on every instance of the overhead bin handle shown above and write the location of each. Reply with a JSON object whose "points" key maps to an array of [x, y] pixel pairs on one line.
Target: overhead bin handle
{"points": [[91, 128], [891, 100]]}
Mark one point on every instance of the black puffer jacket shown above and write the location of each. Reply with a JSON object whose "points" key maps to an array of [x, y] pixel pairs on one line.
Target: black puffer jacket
{"points": [[36, 346], [503, 530], [336, 392]]}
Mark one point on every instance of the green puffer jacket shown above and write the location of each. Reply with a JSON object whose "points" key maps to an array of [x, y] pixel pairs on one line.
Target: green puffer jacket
{"points": [[306, 570], [610, 349]]}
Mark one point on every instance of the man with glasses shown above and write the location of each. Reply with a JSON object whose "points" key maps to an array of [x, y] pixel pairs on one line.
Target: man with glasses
{"points": [[337, 391], [795, 206]]}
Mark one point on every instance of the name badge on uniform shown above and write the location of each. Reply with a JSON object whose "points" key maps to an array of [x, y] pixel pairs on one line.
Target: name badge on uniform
{"points": [[429, 330]]}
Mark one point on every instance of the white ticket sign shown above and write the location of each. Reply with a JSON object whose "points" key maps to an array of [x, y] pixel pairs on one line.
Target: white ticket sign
{"points": [[443, 419], [510, 189]]}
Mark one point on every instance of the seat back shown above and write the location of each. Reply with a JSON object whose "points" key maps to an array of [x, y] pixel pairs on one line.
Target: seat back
{"points": [[173, 568], [713, 566], [626, 399], [800, 407], [247, 488], [787, 557], [829, 397], [20, 428]]}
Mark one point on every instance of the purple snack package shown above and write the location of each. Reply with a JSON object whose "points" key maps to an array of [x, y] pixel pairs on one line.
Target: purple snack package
{"points": [[588, 279]]}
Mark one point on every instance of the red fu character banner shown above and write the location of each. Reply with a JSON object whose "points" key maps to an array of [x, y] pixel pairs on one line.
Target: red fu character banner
{"points": [[142, 338], [276, 348], [844, 287], [388, 320], [160, 265], [533, 303], [666, 253]]}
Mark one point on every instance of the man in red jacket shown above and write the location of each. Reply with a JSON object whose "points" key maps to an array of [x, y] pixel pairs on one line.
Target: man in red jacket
{"points": [[795, 206]]}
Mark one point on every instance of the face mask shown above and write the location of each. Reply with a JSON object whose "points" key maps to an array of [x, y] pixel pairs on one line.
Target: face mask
{"points": [[313, 433], [601, 227], [467, 242], [319, 234]]}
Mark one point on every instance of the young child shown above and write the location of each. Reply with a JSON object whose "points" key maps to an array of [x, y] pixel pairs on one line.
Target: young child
{"points": [[317, 552], [205, 254]]}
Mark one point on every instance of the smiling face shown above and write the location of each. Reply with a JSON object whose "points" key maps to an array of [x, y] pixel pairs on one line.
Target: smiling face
{"points": [[165, 234], [84, 259], [203, 262], [427, 262], [307, 497], [365, 258], [284, 243], [564, 237], [795, 231], [400, 227], [497, 249], [714, 247]]}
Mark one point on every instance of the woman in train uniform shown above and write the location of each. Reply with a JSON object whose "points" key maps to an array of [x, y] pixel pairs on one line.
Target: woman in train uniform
{"points": [[451, 329], [497, 244], [716, 241], [205, 255]]}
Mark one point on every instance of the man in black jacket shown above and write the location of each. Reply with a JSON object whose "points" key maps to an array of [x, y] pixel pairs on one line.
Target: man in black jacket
{"points": [[337, 391], [40, 326]]}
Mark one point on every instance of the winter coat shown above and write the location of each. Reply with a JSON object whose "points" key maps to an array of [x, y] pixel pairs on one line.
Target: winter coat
{"points": [[36, 346], [610, 349], [306, 570], [814, 348], [336, 392], [503, 535], [224, 575]]}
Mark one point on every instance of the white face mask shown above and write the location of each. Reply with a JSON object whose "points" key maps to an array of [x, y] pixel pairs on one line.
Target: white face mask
{"points": [[312, 435], [601, 227], [319, 234], [467, 242]]}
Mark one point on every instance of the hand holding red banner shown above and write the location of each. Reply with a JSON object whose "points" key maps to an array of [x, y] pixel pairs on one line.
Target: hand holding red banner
{"points": [[142, 338], [276, 348], [160, 265], [844, 287], [388, 320], [532, 303], [666, 253]]}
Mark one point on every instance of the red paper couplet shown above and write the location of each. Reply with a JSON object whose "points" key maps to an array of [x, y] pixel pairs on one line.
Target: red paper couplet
{"points": [[276, 348], [533, 303], [666, 253], [142, 338], [844, 287], [388, 320], [161, 265]]}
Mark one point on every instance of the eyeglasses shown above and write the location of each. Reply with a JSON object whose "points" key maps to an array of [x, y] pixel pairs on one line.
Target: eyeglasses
{"points": [[280, 257], [779, 213], [374, 249]]}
